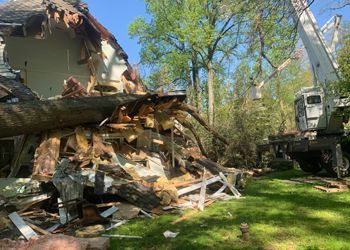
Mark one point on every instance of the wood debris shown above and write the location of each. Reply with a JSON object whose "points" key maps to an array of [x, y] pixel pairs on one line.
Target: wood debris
{"points": [[133, 164]]}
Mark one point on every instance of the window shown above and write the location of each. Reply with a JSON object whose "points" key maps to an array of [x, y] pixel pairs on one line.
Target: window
{"points": [[314, 99]]}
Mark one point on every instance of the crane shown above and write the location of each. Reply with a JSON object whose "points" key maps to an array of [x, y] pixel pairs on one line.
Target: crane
{"points": [[331, 24], [321, 142]]}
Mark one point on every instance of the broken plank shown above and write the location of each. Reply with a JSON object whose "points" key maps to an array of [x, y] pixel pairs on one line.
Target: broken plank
{"points": [[184, 183], [38, 229], [328, 190], [117, 225], [121, 126], [53, 228], [184, 217], [198, 186], [25, 230], [109, 212], [122, 236], [202, 193], [231, 187], [107, 204], [65, 217], [8, 90], [146, 214], [220, 190]]}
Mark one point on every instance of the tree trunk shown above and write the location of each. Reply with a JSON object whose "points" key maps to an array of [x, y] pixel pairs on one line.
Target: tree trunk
{"points": [[210, 93], [194, 113], [196, 82], [190, 127], [36, 116]]}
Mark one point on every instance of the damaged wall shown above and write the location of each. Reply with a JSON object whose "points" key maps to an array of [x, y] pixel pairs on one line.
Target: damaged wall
{"points": [[54, 40], [46, 63], [110, 72]]}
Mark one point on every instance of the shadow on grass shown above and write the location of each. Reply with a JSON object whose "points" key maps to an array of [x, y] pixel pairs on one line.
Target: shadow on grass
{"points": [[280, 216]]}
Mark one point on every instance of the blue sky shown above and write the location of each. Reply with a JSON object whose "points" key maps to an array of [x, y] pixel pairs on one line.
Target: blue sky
{"points": [[117, 15]]}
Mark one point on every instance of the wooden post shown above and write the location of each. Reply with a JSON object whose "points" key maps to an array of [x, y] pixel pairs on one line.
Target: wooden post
{"points": [[172, 147]]}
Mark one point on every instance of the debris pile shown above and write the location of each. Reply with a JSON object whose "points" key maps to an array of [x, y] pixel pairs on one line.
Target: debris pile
{"points": [[328, 185], [88, 179], [103, 151]]}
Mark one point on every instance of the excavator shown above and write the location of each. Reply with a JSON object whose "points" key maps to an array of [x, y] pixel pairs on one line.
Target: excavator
{"points": [[321, 141]]}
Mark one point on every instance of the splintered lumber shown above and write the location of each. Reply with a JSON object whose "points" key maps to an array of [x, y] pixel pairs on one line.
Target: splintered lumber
{"points": [[35, 116], [48, 154], [82, 141], [136, 193]]}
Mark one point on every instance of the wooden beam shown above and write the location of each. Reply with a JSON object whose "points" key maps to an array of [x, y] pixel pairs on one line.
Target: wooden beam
{"points": [[202, 193], [198, 186], [231, 187], [25, 230]]}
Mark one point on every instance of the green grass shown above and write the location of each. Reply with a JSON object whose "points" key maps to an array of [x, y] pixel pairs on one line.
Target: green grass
{"points": [[280, 216]]}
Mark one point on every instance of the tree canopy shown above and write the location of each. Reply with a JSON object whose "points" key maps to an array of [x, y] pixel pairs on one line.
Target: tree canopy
{"points": [[217, 49]]}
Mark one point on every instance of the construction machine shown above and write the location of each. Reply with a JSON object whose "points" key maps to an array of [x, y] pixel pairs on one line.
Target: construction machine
{"points": [[321, 142]]}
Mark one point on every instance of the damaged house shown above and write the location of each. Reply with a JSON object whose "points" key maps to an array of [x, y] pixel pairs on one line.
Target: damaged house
{"points": [[49, 41], [89, 139]]}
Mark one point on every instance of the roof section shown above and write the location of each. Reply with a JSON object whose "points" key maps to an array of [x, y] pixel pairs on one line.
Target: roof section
{"points": [[63, 5], [18, 11]]}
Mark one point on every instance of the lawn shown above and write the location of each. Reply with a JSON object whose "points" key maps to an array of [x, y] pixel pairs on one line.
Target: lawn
{"points": [[280, 215]]}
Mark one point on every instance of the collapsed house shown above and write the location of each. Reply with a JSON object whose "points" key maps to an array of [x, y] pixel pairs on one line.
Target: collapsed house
{"points": [[90, 138]]}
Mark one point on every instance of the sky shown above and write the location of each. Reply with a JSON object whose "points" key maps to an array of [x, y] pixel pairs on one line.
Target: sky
{"points": [[117, 15]]}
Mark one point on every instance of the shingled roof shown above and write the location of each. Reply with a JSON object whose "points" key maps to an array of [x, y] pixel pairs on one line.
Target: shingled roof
{"points": [[18, 12], [15, 11]]}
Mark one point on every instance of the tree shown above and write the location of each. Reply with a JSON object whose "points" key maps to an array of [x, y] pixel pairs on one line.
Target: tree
{"points": [[344, 67], [165, 47], [339, 4], [206, 45], [198, 31]]}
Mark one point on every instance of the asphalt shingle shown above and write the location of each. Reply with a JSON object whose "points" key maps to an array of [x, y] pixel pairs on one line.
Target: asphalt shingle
{"points": [[18, 11]]}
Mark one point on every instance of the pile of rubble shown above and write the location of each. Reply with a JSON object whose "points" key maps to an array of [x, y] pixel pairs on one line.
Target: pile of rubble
{"points": [[89, 179], [104, 151]]}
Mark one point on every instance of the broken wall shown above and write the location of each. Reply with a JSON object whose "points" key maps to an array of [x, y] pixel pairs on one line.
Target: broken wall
{"points": [[46, 63], [109, 73]]}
